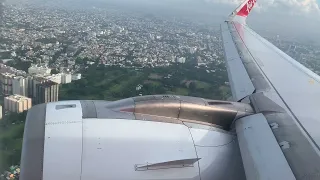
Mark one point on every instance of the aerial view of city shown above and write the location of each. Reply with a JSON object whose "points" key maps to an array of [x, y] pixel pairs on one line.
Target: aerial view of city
{"points": [[51, 52]]}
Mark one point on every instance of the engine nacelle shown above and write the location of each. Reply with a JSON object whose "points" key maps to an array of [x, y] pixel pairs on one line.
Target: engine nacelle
{"points": [[149, 137]]}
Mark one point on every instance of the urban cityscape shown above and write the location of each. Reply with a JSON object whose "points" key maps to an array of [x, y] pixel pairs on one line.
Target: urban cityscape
{"points": [[47, 52], [67, 41]]}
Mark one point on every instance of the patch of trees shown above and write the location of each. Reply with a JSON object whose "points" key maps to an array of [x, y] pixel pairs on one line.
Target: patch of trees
{"points": [[11, 128], [21, 65], [113, 82]]}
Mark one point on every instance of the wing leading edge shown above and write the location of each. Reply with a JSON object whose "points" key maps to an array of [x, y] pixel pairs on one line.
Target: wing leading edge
{"points": [[283, 90]]}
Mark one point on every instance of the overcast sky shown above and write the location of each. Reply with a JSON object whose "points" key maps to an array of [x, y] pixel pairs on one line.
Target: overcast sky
{"points": [[300, 18], [291, 18]]}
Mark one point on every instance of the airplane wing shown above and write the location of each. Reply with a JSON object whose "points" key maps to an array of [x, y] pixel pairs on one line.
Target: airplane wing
{"points": [[285, 94], [269, 131]]}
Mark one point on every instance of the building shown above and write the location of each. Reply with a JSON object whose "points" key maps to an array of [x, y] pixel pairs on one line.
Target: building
{"points": [[0, 112], [75, 77], [66, 78], [60, 78], [20, 86], [47, 91], [29, 84], [17, 103], [192, 50], [6, 83], [35, 80], [173, 58], [181, 60], [200, 62], [139, 87], [55, 78], [39, 70]]}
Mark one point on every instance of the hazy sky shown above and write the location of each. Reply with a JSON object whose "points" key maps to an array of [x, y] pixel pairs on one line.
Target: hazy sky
{"points": [[291, 18], [300, 18], [293, 6]]}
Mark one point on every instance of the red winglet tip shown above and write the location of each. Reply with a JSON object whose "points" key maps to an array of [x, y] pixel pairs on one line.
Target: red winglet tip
{"points": [[246, 8]]}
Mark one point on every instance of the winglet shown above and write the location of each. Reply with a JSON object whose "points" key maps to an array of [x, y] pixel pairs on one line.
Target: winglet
{"points": [[240, 14]]}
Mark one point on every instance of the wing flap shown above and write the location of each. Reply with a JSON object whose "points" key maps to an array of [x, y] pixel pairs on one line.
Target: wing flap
{"points": [[259, 149]]}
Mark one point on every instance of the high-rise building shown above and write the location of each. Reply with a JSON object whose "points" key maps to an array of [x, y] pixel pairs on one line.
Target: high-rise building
{"points": [[34, 81], [6, 83], [66, 78], [47, 92], [17, 103], [29, 84], [20, 86]]}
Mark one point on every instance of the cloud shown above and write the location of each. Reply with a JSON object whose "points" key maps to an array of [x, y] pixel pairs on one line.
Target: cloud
{"points": [[309, 7], [298, 6]]}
